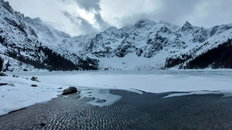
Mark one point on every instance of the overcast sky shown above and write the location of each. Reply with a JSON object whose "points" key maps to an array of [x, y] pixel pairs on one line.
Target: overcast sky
{"points": [[85, 16]]}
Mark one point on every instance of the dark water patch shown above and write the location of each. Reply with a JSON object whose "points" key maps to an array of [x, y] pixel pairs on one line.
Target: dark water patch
{"points": [[145, 111]]}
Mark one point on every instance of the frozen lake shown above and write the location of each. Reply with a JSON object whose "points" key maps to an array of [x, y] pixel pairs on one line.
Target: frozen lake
{"points": [[149, 81]]}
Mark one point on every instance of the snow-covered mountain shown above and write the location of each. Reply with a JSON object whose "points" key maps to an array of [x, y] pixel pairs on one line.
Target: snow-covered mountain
{"points": [[150, 45], [27, 44], [30, 43]]}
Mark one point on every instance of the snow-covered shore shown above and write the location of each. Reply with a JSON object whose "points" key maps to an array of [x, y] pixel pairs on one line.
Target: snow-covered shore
{"points": [[18, 93]]}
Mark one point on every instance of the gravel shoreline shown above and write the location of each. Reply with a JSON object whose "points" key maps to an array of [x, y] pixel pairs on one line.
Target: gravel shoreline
{"points": [[134, 111]]}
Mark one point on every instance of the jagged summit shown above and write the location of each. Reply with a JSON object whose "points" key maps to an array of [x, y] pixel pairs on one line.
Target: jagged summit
{"points": [[187, 26]]}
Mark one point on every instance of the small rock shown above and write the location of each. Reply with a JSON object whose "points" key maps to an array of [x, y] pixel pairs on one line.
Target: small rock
{"points": [[34, 78], [15, 76], [3, 84], [34, 85], [43, 124], [69, 90], [25, 70], [60, 88], [101, 100], [3, 74]]}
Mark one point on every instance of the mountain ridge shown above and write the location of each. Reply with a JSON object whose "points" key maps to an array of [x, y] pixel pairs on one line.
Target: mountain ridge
{"points": [[31, 44]]}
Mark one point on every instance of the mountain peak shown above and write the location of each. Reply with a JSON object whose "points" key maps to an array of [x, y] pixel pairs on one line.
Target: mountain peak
{"points": [[187, 26], [187, 23]]}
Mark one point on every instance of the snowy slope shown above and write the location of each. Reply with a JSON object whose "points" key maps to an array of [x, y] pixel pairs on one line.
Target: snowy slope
{"points": [[31, 44], [46, 33]]}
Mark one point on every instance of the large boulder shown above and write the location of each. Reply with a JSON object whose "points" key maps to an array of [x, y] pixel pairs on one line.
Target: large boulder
{"points": [[69, 90]]}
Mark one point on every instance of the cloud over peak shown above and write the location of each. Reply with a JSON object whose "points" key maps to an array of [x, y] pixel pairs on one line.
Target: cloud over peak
{"points": [[85, 16]]}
